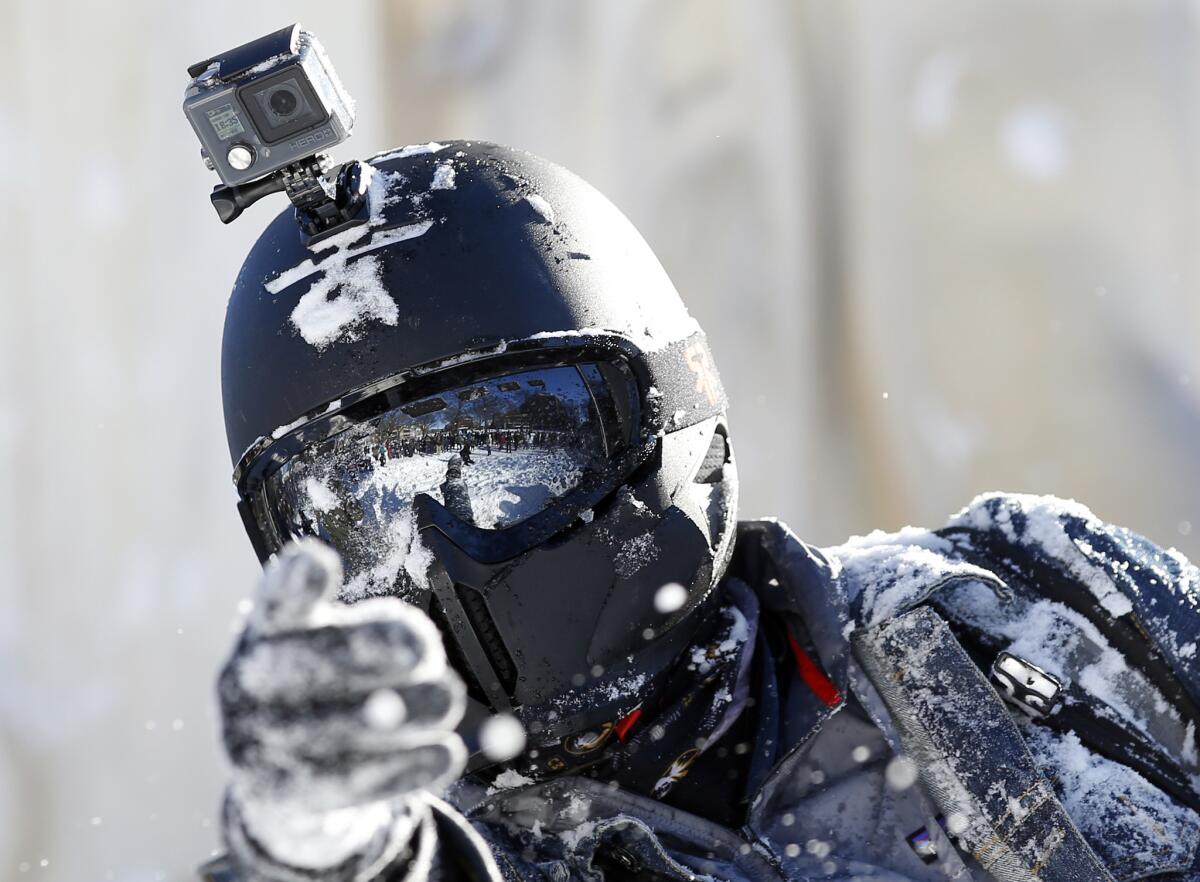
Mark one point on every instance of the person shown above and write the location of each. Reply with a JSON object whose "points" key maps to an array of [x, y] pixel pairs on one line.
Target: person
{"points": [[603, 673], [455, 494]]}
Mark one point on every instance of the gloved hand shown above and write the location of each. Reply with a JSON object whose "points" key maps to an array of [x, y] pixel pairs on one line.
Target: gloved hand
{"points": [[337, 719]]}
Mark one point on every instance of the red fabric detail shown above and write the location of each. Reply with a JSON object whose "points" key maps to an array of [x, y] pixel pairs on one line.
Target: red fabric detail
{"points": [[820, 684], [626, 723]]}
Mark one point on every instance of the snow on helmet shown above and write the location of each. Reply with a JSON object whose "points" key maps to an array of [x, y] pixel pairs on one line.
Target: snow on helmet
{"points": [[491, 400]]}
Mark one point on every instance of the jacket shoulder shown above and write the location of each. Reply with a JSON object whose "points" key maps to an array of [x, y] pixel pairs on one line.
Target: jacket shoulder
{"points": [[1127, 576]]}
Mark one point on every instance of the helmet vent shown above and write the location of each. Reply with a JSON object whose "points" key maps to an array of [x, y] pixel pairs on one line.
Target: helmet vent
{"points": [[489, 636], [454, 654], [713, 468]]}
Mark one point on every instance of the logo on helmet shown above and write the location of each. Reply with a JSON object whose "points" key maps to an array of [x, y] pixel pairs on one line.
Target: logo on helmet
{"points": [[696, 357]]}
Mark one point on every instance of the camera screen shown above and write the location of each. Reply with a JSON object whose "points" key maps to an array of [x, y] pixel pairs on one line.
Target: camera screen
{"points": [[225, 122], [283, 105]]}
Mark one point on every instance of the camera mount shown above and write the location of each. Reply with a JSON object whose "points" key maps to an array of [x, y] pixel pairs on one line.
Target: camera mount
{"points": [[326, 201], [266, 113]]}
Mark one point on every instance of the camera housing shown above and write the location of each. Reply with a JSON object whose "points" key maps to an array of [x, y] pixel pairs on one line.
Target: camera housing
{"points": [[267, 105]]}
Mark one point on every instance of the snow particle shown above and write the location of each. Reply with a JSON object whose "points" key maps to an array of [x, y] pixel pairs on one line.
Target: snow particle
{"points": [[1185, 528], [542, 207], [509, 779], [670, 597], [956, 823], [819, 848], [23, 867], [901, 773], [586, 515], [1034, 141], [280, 431], [861, 754], [151, 725], [648, 634], [443, 177], [792, 850], [1117, 604], [323, 499], [885, 396], [322, 318], [501, 737], [177, 725], [245, 607], [635, 554], [410, 150], [788, 819], [44, 862], [597, 670], [384, 709]]}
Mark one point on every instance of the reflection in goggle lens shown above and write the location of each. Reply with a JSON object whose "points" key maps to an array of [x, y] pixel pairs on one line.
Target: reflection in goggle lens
{"points": [[495, 453]]}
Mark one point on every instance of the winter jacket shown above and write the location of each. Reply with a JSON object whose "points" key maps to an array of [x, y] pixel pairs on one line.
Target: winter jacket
{"points": [[1012, 697]]}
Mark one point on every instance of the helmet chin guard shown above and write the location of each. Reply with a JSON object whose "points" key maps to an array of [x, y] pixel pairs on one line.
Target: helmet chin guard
{"points": [[482, 268], [568, 636]]}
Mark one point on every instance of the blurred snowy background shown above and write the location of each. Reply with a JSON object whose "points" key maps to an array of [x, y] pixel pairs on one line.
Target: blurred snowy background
{"points": [[939, 248]]}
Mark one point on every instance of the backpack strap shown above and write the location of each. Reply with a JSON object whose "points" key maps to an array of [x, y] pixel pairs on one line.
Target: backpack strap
{"points": [[972, 759]]}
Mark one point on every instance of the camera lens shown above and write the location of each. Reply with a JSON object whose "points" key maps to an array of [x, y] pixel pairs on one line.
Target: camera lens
{"points": [[282, 105], [284, 102]]}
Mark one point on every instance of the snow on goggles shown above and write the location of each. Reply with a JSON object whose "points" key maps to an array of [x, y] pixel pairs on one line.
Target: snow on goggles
{"points": [[494, 453]]}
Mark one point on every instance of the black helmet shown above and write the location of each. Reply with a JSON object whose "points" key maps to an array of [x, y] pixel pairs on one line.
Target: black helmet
{"points": [[497, 364]]}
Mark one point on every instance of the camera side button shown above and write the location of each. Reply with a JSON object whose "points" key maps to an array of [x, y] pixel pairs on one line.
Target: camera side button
{"points": [[240, 157]]}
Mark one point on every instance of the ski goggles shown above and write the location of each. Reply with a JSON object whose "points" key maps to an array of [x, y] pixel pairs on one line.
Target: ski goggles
{"points": [[331, 473], [493, 453]]}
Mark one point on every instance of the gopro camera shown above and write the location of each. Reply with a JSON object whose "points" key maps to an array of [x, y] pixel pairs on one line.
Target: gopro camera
{"points": [[266, 113], [267, 104]]}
